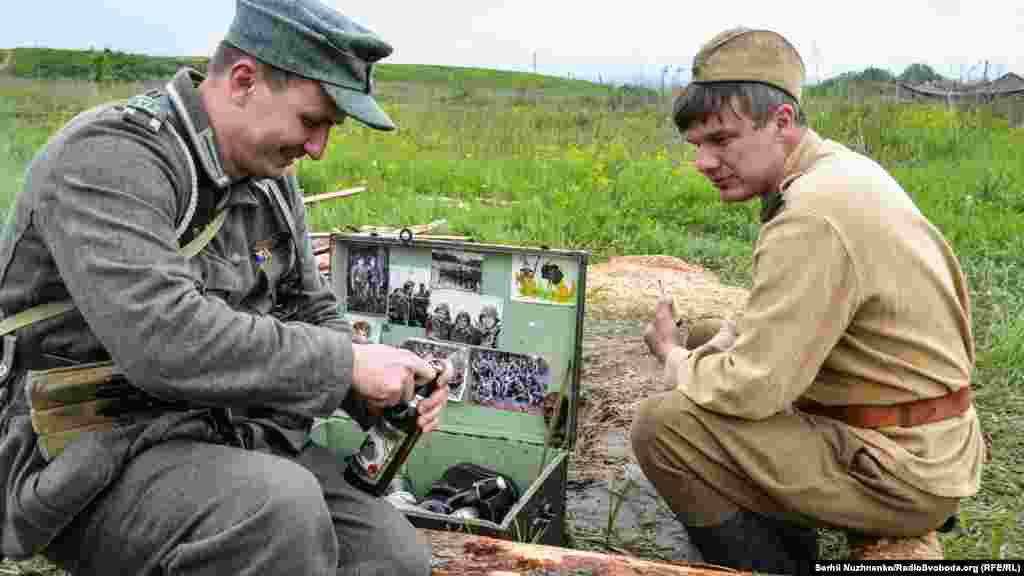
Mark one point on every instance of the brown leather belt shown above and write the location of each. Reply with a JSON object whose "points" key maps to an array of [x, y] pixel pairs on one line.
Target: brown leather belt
{"points": [[905, 414]]}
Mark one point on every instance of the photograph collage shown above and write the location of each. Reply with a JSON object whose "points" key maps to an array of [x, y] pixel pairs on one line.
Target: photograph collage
{"points": [[459, 321]]}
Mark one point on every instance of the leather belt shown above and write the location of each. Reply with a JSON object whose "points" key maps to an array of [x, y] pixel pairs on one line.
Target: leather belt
{"points": [[904, 414]]}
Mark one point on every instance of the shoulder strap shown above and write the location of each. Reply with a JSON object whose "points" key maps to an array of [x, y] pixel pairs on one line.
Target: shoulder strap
{"points": [[274, 191], [53, 309], [151, 111]]}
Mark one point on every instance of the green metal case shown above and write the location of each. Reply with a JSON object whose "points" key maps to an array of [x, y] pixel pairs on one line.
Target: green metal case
{"points": [[497, 416]]}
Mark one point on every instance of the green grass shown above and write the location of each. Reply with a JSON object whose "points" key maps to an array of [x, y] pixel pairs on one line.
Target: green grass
{"points": [[588, 167]]}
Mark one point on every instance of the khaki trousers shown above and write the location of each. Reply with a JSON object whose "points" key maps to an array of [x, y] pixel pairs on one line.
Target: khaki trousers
{"points": [[793, 466]]}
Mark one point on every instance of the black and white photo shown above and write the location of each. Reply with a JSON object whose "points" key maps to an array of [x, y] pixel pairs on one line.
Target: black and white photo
{"points": [[456, 270], [409, 300], [429, 349], [457, 316], [367, 279]]}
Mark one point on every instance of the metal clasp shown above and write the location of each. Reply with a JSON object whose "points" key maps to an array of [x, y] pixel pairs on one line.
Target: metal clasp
{"points": [[6, 365], [7, 358]]}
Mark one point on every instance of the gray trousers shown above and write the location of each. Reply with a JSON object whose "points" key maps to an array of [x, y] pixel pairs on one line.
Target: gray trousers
{"points": [[194, 508]]}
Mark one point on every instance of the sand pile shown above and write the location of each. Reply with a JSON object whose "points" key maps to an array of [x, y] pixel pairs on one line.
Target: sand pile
{"points": [[627, 287]]}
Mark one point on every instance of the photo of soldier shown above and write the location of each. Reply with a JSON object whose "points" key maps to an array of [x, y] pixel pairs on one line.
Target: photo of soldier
{"points": [[456, 270], [463, 330], [509, 381], [439, 324], [420, 307], [400, 304], [458, 316], [402, 299], [429, 349], [361, 332], [367, 279], [365, 329], [488, 327]]}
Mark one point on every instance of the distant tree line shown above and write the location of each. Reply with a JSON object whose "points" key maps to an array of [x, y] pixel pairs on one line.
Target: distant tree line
{"points": [[97, 65], [109, 65], [914, 74]]}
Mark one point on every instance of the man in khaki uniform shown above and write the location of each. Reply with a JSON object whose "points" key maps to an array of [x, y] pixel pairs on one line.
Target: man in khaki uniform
{"points": [[840, 396]]}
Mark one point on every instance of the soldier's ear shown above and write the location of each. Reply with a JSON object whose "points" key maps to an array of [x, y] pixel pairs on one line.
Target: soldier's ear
{"points": [[242, 78], [784, 117]]}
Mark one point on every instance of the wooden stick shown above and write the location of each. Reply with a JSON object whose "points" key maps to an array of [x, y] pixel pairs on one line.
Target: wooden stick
{"points": [[461, 554], [443, 237], [333, 195], [460, 202]]}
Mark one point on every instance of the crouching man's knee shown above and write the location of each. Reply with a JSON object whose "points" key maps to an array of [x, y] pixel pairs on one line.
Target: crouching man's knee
{"points": [[653, 423]]}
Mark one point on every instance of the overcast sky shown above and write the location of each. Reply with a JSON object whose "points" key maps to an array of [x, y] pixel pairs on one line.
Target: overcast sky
{"points": [[620, 41]]}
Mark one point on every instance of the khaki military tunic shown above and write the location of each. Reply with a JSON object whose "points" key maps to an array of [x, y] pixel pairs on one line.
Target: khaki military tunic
{"points": [[857, 299]]}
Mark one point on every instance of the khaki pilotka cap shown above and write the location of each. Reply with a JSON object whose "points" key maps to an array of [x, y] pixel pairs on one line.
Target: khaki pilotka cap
{"points": [[307, 38], [746, 55]]}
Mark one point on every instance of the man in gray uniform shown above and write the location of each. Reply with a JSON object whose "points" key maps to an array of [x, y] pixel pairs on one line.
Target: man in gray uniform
{"points": [[245, 340]]}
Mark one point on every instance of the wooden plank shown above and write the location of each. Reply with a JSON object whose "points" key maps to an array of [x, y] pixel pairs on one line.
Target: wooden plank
{"points": [[461, 554], [444, 237], [415, 228], [333, 195], [462, 203]]}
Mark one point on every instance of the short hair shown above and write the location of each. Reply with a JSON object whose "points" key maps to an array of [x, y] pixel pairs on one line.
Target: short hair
{"points": [[226, 55], [756, 101]]}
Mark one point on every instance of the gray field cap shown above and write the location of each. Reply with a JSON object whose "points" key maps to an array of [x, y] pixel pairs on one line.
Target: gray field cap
{"points": [[307, 38]]}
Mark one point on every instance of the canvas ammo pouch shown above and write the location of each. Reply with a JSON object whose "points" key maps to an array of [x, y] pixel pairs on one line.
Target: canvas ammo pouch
{"points": [[67, 402]]}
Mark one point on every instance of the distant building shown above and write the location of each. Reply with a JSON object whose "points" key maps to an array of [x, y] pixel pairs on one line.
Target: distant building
{"points": [[1009, 85], [1008, 82]]}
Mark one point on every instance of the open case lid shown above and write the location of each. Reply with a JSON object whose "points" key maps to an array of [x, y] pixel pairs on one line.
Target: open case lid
{"points": [[509, 317]]}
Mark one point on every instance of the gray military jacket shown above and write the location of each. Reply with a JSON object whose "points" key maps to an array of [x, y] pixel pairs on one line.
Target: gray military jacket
{"points": [[247, 324]]}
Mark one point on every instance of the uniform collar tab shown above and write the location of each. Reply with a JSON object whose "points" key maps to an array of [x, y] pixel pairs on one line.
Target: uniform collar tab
{"points": [[807, 152], [182, 90]]}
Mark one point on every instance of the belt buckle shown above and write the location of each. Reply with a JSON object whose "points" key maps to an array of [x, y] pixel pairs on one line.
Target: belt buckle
{"points": [[905, 415]]}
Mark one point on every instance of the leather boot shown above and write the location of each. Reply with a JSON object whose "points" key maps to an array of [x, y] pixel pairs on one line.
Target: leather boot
{"points": [[864, 547], [756, 543]]}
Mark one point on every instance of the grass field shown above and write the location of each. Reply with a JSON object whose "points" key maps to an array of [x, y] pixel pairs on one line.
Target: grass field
{"points": [[585, 166]]}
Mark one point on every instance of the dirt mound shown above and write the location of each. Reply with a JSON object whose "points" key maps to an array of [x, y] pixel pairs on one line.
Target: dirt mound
{"points": [[627, 287]]}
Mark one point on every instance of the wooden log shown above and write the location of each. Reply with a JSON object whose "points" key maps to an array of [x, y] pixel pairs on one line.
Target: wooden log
{"points": [[436, 225], [333, 195], [444, 237], [461, 554]]}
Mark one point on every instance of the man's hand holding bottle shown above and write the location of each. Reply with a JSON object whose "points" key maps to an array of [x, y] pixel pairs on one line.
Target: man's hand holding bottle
{"points": [[384, 376]]}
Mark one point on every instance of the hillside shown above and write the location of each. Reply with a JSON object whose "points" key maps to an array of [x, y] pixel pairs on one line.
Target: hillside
{"points": [[108, 65], [102, 65]]}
